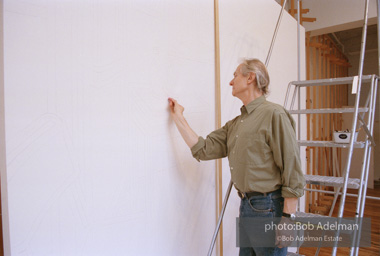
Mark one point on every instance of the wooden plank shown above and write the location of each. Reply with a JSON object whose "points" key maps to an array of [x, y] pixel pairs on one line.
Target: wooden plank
{"points": [[291, 11], [315, 117], [305, 19], [308, 117], [303, 11], [5, 245], [321, 99], [328, 117], [301, 14], [218, 120]]}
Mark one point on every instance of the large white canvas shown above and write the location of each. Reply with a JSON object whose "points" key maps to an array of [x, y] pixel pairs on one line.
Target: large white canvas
{"points": [[95, 166], [247, 29]]}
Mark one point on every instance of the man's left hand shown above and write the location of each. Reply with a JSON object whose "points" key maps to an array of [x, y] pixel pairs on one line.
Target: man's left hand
{"points": [[284, 236]]}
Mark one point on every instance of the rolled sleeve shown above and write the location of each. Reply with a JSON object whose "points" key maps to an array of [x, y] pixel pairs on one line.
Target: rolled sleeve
{"points": [[213, 147], [286, 155], [197, 147]]}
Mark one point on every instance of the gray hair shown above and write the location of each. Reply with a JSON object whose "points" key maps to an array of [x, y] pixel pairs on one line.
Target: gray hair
{"points": [[261, 72]]}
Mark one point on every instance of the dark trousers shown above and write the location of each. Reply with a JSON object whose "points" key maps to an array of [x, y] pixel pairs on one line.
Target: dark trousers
{"points": [[269, 206]]}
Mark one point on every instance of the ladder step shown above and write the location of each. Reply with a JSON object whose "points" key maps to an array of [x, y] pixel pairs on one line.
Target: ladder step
{"points": [[294, 254], [331, 181], [327, 110], [328, 144], [331, 81]]}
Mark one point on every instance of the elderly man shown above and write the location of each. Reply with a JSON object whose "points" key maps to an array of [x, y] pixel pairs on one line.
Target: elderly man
{"points": [[261, 148]]}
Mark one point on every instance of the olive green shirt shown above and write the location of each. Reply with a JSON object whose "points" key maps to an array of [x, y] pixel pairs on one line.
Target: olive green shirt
{"points": [[261, 147]]}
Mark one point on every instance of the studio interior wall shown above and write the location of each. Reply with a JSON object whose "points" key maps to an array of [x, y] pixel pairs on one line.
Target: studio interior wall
{"points": [[94, 164]]}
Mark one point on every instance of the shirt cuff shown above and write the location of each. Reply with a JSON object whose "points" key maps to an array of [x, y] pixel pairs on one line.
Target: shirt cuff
{"points": [[197, 147], [289, 192]]}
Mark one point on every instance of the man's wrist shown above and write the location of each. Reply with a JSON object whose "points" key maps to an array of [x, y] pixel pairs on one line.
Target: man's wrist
{"points": [[291, 216]]}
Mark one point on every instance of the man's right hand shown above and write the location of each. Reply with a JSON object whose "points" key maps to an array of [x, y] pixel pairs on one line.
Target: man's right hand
{"points": [[176, 111], [175, 108]]}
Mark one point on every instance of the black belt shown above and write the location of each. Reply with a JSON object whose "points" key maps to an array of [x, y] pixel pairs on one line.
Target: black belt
{"points": [[254, 193]]}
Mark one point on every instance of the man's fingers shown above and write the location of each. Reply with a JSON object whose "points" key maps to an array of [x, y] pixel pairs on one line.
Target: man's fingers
{"points": [[279, 244], [172, 102]]}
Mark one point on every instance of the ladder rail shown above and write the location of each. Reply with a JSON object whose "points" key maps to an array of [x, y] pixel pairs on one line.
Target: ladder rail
{"points": [[362, 202], [370, 100], [354, 122], [287, 94], [365, 166]]}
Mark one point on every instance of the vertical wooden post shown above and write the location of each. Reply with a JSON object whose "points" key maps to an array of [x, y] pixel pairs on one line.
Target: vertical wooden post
{"points": [[300, 10], [315, 118], [292, 8], [218, 118], [308, 117], [5, 245]]}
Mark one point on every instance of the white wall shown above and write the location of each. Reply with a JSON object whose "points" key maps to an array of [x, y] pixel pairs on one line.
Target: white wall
{"points": [[95, 166], [337, 15]]}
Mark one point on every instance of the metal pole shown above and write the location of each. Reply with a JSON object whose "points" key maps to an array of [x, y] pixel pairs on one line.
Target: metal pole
{"points": [[228, 192], [275, 34], [299, 65], [362, 203], [299, 40], [365, 169], [360, 72]]}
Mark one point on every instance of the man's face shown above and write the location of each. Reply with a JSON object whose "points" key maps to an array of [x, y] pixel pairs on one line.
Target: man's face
{"points": [[239, 83]]}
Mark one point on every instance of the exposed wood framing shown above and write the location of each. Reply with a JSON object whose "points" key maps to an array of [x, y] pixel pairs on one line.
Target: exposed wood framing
{"points": [[323, 60], [293, 11]]}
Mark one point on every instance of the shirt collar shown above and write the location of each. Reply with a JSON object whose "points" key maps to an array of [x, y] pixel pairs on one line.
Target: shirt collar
{"points": [[253, 105]]}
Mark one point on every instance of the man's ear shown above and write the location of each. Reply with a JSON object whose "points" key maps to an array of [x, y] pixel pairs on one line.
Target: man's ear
{"points": [[251, 77]]}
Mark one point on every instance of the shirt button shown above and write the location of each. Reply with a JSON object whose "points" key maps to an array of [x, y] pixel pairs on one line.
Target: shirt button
{"points": [[241, 120], [237, 136], [232, 168], [233, 152]]}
